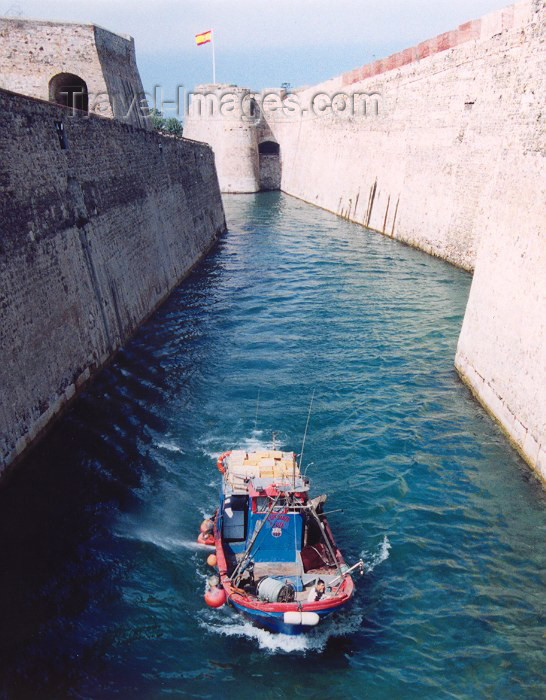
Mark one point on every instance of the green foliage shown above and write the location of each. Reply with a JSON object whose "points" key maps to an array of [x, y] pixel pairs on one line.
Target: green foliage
{"points": [[171, 125], [158, 120]]}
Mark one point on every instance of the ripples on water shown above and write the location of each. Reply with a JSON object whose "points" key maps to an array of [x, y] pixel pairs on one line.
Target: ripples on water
{"points": [[101, 583]]}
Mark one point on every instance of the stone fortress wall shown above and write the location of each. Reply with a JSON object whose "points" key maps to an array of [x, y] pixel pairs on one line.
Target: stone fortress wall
{"points": [[231, 119], [449, 158], [455, 164], [33, 52], [231, 134], [99, 221], [418, 169], [501, 354]]}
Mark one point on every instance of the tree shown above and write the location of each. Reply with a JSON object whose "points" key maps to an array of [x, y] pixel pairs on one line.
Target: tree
{"points": [[173, 126], [170, 125], [157, 119]]}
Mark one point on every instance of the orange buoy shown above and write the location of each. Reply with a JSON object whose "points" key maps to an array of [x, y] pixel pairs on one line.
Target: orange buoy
{"points": [[215, 596], [211, 560], [220, 462], [206, 539], [207, 525]]}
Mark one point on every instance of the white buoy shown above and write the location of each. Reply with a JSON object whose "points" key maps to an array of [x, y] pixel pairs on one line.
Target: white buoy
{"points": [[309, 619]]}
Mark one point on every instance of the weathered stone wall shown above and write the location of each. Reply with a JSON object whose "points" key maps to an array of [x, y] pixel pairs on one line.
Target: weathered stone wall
{"points": [[270, 172], [449, 157], [447, 110], [220, 116], [123, 84], [501, 353], [92, 238], [454, 164], [32, 52]]}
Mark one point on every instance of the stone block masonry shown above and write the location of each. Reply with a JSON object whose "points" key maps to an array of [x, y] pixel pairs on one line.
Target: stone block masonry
{"points": [[33, 52], [99, 221], [454, 163], [232, 137], [448, 109], [501, 353]]}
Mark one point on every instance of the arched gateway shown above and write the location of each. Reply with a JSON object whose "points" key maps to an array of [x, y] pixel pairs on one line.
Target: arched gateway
{"points": [[69, 90], [270, 165]]}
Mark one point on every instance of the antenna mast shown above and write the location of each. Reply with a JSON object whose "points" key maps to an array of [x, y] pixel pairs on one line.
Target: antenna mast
{"points": [[306, 426], [256, 417]]}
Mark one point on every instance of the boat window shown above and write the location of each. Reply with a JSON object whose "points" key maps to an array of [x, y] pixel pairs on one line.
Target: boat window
{"points": [[235, 518], [262, 504]]}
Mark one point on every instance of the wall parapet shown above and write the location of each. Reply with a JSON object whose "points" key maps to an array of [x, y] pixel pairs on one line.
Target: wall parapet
{"points": [[481, 29]]}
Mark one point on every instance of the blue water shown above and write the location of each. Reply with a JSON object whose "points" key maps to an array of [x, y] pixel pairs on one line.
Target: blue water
{"points": [[101, 579]]}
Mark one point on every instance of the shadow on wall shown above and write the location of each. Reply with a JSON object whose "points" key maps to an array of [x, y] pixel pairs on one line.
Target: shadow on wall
{"points": [[270, 166]]}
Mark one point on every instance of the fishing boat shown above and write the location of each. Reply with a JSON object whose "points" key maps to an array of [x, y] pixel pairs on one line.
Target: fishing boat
{"points": [[276, 559]]}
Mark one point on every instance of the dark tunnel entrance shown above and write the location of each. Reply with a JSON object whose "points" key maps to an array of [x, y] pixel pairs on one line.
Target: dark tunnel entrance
{"points": [[69, 90], [270, 165]]}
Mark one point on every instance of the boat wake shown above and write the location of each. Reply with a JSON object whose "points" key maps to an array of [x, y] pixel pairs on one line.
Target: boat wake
{"points": [[256, 441], [169, 446], [170, 544], [229, 624], [373, 559], [232, 625]]}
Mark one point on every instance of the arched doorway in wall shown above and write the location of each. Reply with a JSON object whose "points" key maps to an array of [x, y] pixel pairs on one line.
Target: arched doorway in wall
{"points": [[69, 90], [270, 165]]}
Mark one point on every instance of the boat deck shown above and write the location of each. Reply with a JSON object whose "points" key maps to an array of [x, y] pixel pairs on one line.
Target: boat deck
{"points": [[291, 568]]}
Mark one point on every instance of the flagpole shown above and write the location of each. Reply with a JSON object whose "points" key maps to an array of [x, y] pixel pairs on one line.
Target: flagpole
{"points": [[213, 60]]}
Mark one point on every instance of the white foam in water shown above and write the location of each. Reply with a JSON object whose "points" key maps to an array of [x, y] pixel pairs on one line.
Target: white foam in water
{"points": [[206, 512], [163, 541], [274, 643], [206, 443], [170, 447], [374, 559], [254, 442], [266, 640]]}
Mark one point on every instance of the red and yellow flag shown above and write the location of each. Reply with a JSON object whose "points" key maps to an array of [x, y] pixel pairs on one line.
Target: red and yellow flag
{"points": [[203, 38]]}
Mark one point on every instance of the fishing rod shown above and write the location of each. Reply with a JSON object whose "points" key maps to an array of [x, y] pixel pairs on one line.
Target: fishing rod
{"points": [[306, 427], [307, 467], [341, 577], [256, 417], [246, 564]]}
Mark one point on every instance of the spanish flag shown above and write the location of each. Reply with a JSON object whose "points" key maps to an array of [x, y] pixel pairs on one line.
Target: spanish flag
{"points": [[203, 38]]}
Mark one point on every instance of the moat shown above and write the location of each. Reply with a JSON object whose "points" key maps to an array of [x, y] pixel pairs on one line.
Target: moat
{"points": [[101, 584]]}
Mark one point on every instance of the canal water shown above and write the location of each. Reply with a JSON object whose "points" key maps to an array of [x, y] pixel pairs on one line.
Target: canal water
{"points": [[101, 579]]}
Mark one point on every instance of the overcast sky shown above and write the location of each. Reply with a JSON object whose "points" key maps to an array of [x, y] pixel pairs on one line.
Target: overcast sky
{"points": [[260, 43]]}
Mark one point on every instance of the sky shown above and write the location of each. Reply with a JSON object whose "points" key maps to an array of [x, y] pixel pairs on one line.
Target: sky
{"points": [[259, 43]]}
